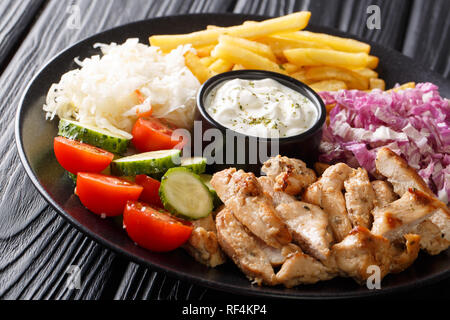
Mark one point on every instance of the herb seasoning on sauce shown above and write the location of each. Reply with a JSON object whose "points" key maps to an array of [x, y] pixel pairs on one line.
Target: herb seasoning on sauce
{"points": [[262, 108]]}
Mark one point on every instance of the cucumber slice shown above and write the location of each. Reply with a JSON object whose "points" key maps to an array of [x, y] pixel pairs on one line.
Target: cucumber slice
{"points": [[183, 193], [154, 163], [206, 178], [94, 136], [196, 165]]}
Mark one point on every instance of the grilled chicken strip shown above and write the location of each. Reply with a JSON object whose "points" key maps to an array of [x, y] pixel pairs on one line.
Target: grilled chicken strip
{"points": [[243, 248], [358, 251], [290, 175], [248, 252], [404, 252], [244, 196], [399, 173], [384, 193], [203, 244], [401, 216], [403, 177], [278, 197], [327, 194], [300, 268], [278, 256], [308, 225], [432, 240], [359, 198]]}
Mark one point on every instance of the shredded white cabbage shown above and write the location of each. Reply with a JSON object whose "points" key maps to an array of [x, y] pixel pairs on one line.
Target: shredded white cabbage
{"points": [[103, 91]]}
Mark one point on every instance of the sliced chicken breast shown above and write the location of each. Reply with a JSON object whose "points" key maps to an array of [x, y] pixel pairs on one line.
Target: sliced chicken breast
{"points": [[244, 196], [404, 252], [359, 198], [327, 194], [384, 193], [300, 268], [308, 225], [278, 197], [244, 249], [203, 244], [432, 240], [403, 177], [401, 216], [399, 173], [290, 175], [358, 251]]}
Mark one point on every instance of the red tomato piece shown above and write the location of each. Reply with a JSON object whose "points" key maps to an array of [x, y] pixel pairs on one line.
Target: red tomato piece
{"points": [[154, 229], [150, 194], [105, 195], [150, 134], [75, 156]]}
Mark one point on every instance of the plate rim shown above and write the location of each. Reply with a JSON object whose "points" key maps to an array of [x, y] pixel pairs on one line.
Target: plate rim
{"points": [[269, 292]]}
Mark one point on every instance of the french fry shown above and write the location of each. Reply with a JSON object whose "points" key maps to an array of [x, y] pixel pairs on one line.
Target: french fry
{"points": [[328, 85], [290, 22], [372, 62], [207, 61], [315, 57], [352, 79], [279, 43], [256, 47], [375, 83], [289, 67], [211, 26], [247, 58], [196, 39], [300, 75], [336, 43], [238, 67], [366, 73], [408, 85], [205, 51], [330, 107], [197, 68], [220, 66]]}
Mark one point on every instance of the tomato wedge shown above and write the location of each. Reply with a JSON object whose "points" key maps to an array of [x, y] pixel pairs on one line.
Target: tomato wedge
{"points": [[150, 134], [77, 157], [105, 195], [150, 194], [154, 229]]}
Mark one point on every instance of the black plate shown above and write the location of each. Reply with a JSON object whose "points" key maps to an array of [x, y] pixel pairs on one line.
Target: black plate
{"points": [[34, 137]]}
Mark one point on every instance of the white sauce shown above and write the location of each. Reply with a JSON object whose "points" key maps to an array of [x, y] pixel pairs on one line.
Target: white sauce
{"points": [[262, 108]]}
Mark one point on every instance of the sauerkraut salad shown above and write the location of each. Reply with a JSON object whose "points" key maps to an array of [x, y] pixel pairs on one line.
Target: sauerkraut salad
{"points": [[111, 90]]}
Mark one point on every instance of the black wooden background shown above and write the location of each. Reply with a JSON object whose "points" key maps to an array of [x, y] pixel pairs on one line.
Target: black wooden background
{"points": [[36, 245]]}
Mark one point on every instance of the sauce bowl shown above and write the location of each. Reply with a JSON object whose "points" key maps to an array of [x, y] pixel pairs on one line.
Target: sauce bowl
{"points": [[248, 152]]}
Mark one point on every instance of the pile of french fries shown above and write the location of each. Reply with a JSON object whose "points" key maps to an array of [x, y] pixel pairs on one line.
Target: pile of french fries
{"points": [[324, 62]]}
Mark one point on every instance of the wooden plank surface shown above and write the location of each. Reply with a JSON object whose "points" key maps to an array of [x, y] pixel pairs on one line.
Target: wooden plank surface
{"points": [[17, 18], [428, 35], [37, 245]]}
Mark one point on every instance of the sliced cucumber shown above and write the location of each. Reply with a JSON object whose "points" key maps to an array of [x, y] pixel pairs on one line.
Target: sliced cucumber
{"points": [[183, 193], [196, 164], [154, 163], [206, 178], [94, 136]]}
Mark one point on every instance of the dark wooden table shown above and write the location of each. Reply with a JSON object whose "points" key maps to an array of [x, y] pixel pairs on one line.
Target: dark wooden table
{"points": [[36, 244]]}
